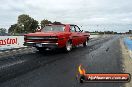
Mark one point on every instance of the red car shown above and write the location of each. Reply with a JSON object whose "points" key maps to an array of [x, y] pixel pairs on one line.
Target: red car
{"points": [[57, 36]]}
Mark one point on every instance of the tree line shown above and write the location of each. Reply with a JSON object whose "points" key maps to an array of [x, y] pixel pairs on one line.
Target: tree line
{"points": [[27, 24]]}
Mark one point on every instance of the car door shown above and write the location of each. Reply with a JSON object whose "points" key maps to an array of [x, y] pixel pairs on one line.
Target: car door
{"points": [[79, 34], [75, 35]]}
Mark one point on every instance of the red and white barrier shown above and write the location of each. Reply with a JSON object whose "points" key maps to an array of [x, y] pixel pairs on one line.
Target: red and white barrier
{"points": [[9, 42]]}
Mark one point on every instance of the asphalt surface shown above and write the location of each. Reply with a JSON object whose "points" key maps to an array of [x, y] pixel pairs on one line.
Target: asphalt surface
{"points": [[59, 69]]}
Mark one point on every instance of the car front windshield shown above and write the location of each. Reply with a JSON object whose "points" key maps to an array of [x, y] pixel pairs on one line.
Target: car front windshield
{"points": [[54, 28]]}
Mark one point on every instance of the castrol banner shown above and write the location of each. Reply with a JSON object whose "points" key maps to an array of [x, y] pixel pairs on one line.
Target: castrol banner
{"points": [[9, 42]]}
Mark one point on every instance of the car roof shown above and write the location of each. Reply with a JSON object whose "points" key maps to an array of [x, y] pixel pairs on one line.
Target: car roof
{"points": [[61, 24]]}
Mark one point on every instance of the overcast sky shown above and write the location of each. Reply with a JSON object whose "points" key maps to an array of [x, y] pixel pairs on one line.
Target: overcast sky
{"points": [[82, 12]]}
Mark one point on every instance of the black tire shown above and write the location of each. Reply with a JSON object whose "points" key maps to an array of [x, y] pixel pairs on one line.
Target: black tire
{"points": [[68, 46], [40, 49], [85, 43]]}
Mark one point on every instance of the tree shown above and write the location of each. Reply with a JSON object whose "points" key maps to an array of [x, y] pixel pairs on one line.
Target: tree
{"points": [[28, 23], [2, 31], [15, 28], [34, 25], [12, 29], [57, 22], [44, 22]]}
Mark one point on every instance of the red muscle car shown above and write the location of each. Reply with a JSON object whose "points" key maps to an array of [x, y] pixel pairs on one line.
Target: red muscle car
{"points": [[57, 36]]}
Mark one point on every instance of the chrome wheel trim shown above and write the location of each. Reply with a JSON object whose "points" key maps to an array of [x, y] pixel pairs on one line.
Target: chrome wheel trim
{"points": [[68, 46], [86, 43]]}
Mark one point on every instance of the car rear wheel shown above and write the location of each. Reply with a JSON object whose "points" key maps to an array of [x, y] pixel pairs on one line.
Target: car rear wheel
{"points": [[68, 46]]}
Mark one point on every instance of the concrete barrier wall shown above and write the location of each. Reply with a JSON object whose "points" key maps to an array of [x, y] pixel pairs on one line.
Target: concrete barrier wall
{"points": [[10, 42]]}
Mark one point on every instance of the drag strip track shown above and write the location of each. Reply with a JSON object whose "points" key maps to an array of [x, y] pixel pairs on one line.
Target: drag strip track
{"points": [[18, 65]]}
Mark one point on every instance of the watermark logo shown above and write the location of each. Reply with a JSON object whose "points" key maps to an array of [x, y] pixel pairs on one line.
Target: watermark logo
{"points": [[101, 77]]}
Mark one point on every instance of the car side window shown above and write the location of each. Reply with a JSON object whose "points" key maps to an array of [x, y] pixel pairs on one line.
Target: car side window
{"points": [[77, 29], [72, 29]]}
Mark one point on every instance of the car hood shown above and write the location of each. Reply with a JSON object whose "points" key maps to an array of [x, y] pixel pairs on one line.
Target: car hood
{"points": [[46, 34]]}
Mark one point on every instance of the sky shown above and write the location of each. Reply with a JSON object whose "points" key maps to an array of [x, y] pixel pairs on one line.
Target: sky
{"points": [[80, 12]]}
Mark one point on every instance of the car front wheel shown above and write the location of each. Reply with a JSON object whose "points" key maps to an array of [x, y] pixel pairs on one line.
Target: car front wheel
{"points": [[85, 43], [41, 50], [68, 46]]}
